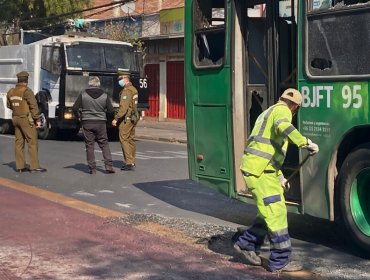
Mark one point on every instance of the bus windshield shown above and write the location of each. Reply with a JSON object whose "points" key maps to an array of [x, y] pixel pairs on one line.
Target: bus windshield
{"points": [[101, 57]]}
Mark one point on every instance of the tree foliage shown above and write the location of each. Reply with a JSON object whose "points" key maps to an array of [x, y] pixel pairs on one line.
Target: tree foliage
{"points": [[29, 14], [119, 31]]}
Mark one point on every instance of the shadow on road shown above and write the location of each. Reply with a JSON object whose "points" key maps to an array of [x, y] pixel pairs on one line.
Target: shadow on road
{"points": [[194, 197], [188, 195]]}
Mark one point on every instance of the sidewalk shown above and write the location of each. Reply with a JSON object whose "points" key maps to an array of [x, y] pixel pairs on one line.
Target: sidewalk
{"points": [[168, 131]]}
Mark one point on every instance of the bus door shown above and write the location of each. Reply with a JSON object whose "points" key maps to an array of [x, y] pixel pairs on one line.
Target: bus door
{"points": [[270, 63], [270, 53]]}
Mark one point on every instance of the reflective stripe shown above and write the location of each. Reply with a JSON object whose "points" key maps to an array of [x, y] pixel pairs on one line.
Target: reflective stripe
{"points": [[265, 118], [258, 153], [271, 199], [260, 139], [280, 239], [282, 120], [268, 141], [281, 245], [288, 130], [279, 232], [276, 164]]}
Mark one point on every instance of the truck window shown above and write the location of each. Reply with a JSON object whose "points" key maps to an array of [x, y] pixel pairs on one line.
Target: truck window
{"points": [[56, 65], [102, 57], [45, 58], [209, 33], [84, 56], [121, 57]]}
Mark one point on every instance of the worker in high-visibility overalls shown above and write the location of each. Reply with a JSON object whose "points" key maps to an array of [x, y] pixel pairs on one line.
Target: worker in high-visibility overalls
{"points": [[261, 164]]}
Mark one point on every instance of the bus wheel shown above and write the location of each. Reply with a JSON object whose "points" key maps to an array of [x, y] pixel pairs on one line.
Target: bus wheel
{"points": [[354, 193]]}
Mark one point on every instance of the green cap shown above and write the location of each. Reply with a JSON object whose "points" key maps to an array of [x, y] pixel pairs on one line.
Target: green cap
{"points": [[122, 73]]}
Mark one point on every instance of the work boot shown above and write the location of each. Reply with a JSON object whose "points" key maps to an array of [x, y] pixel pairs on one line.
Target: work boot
{"points": [[92, 171], [110, 171], [292, 266], [249, 257]]}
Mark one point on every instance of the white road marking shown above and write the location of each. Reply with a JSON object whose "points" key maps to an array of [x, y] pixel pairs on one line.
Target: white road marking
{"points": [[128, 205], [158, 154], [7, 136], [82, 193], [106, 191]]}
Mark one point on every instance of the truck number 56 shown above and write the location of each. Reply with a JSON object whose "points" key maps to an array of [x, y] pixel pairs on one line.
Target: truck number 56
{"points": [[143, 83]]}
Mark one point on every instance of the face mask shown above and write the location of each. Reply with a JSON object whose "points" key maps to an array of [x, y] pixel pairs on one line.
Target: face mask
{"points": [[121, 83]]}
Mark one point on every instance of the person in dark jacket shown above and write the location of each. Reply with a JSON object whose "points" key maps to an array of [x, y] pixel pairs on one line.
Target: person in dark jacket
{"points": [[92, 107]]}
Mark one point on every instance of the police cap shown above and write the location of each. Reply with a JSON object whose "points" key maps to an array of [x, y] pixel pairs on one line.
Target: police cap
{"points": [[22, 76], [122, 74]]}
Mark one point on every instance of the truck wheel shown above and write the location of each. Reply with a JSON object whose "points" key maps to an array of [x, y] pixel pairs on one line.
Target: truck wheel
{"points": [[6, 127], [354, 193], [48, 132]]}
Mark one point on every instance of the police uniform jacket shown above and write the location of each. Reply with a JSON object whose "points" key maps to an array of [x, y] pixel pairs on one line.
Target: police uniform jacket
{"points": [[21, 100], [128, 102]]}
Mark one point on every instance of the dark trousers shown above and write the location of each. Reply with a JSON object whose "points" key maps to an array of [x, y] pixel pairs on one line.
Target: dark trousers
{"points": [[96, 131]]}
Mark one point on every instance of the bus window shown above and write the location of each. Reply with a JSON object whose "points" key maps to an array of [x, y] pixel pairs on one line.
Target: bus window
{"points": [[327, 4], [209, 33], [338, 39]]}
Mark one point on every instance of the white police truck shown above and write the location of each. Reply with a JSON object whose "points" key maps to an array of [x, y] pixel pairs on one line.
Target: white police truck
{"points": [[59, 67]]}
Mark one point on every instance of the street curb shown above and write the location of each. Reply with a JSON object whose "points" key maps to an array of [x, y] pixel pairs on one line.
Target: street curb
{"points": [[161, 139]]}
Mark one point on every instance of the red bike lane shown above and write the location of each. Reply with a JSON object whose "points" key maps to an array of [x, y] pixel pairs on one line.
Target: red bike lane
{"points": [[42, 239]]}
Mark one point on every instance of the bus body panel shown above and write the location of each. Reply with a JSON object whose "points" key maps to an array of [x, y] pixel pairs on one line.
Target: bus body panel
{"points": [[208, 107]]}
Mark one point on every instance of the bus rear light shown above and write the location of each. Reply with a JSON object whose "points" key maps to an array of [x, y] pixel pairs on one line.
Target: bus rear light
{"points": [[200, 157]]}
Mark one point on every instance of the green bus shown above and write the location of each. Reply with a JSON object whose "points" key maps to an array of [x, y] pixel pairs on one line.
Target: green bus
{"points": [[240, 55]]}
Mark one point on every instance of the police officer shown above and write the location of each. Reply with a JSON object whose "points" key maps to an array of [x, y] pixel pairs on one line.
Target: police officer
{"points": [[127, 118], [261, 163], [26, 118]]}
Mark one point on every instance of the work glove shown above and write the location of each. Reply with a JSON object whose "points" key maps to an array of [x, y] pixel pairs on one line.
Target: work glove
{"points": [[312, 147], [284, 182]]}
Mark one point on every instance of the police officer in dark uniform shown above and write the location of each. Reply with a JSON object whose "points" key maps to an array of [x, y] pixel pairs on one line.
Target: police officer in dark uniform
{"points": [[26, 118], [127, 118]]}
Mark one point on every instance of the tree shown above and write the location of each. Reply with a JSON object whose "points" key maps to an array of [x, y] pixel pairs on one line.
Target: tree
{"points": [[32, 14]]}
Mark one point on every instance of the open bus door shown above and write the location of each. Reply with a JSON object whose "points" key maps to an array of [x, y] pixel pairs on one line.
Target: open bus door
{"points": [[269, 31]]}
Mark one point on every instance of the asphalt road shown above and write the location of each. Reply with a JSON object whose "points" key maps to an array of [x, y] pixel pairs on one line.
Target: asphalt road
{"points": [[160, 186]]}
